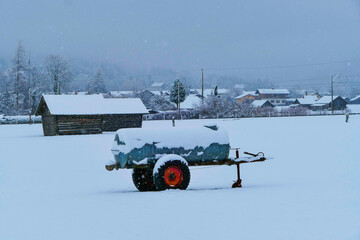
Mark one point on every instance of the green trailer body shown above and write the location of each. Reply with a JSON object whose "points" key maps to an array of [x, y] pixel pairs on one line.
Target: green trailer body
{"points": [[143, 147]]}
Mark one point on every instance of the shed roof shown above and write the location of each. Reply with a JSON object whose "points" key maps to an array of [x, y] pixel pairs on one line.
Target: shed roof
{"points": [[90, 105]]}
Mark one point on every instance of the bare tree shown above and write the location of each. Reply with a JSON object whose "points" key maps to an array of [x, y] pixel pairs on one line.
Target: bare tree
{"points": [[18, 75], [58, 72]]}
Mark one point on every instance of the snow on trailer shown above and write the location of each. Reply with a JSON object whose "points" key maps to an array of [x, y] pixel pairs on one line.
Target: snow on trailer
{"points": [[160, 157]]}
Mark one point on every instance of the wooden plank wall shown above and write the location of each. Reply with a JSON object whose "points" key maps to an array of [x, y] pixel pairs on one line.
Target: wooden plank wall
{"points": [[68, 124], [116, 121]]}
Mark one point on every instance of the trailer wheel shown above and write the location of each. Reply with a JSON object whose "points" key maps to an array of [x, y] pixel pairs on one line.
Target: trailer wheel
{"points": [[143, 179], [171, 174]]}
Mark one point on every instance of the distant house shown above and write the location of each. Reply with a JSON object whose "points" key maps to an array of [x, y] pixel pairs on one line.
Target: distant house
{"points": [[210, 92], [88, 114], [262, 104], [158, 86], [324, 103], [306, 101], [275, 96], [355, 100], [247, 97], [121, 94]]}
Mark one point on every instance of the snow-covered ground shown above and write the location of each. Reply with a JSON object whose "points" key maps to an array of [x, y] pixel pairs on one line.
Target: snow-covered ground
{"points": [[57, 187]]}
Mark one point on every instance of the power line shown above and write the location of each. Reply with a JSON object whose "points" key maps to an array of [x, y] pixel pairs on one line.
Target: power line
{"points": [[284, 66]]}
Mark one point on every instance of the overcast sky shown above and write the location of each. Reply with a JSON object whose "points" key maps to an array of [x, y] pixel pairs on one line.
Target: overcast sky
{"points": [[184, 34]]}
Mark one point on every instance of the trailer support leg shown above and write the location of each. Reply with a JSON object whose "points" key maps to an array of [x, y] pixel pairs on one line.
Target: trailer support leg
{"points": [[237, 184]]}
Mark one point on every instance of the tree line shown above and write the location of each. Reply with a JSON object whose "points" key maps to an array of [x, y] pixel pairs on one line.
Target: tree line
{"points": [[22, 84]]}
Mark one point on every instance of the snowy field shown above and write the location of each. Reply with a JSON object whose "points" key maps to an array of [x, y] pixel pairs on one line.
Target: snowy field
{"points": [[57, 187]]}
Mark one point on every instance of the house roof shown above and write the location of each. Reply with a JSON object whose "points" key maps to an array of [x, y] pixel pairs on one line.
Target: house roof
{"points": [[190, 101], [259, 103], [325, 99], [307, 99], [157, 84], [246, 93], [90, 105], [210, 91], [273, 91], [355, 98]]}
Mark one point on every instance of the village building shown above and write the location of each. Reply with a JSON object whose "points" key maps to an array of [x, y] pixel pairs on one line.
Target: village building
{"points": [[306, 101], [121, 94], [159, 86], [262, 104], [208, 92], [324, 103], [355, 100], [88, 114], [276, 96], [247, 97]]}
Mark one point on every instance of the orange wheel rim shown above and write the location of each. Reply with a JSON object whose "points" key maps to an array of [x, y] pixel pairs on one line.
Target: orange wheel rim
{"points": [[173, 176]]}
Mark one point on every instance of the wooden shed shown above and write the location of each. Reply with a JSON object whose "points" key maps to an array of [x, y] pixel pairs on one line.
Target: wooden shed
{"points": [[88, 114]]}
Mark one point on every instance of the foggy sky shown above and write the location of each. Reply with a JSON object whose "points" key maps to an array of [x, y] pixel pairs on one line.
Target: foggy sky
{"points": [[186, 34]]}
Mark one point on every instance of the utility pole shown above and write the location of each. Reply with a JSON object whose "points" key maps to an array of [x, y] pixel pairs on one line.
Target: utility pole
{"points": [[332, 79], [178, 97], [332, 93], [202, 85], [30, 108]]}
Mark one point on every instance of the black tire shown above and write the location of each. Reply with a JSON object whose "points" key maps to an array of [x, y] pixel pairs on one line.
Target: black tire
{"points": [[159, 177], [143, 179]]}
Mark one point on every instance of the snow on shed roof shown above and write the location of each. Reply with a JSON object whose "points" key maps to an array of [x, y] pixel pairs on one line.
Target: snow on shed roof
{"points": [[91, 105], [273, 91]]}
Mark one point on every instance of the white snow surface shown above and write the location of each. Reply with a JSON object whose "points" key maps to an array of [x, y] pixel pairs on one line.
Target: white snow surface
{"points": [[57, 187], [159, 163], [354, 108], [93, 104], [166, 135]]}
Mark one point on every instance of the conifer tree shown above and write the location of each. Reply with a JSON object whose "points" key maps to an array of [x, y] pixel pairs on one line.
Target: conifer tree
{"points": [[178, 89]]}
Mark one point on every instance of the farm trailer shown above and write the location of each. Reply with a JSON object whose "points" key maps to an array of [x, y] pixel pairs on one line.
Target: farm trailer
{"points": [[160, 158]]}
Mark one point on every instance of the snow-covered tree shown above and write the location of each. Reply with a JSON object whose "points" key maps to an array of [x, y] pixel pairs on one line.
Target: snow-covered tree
{"points": [[97, 84], [58, 73], [244, 109], [5, 96], [18, 76], [214, 107], [178, 89]]}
